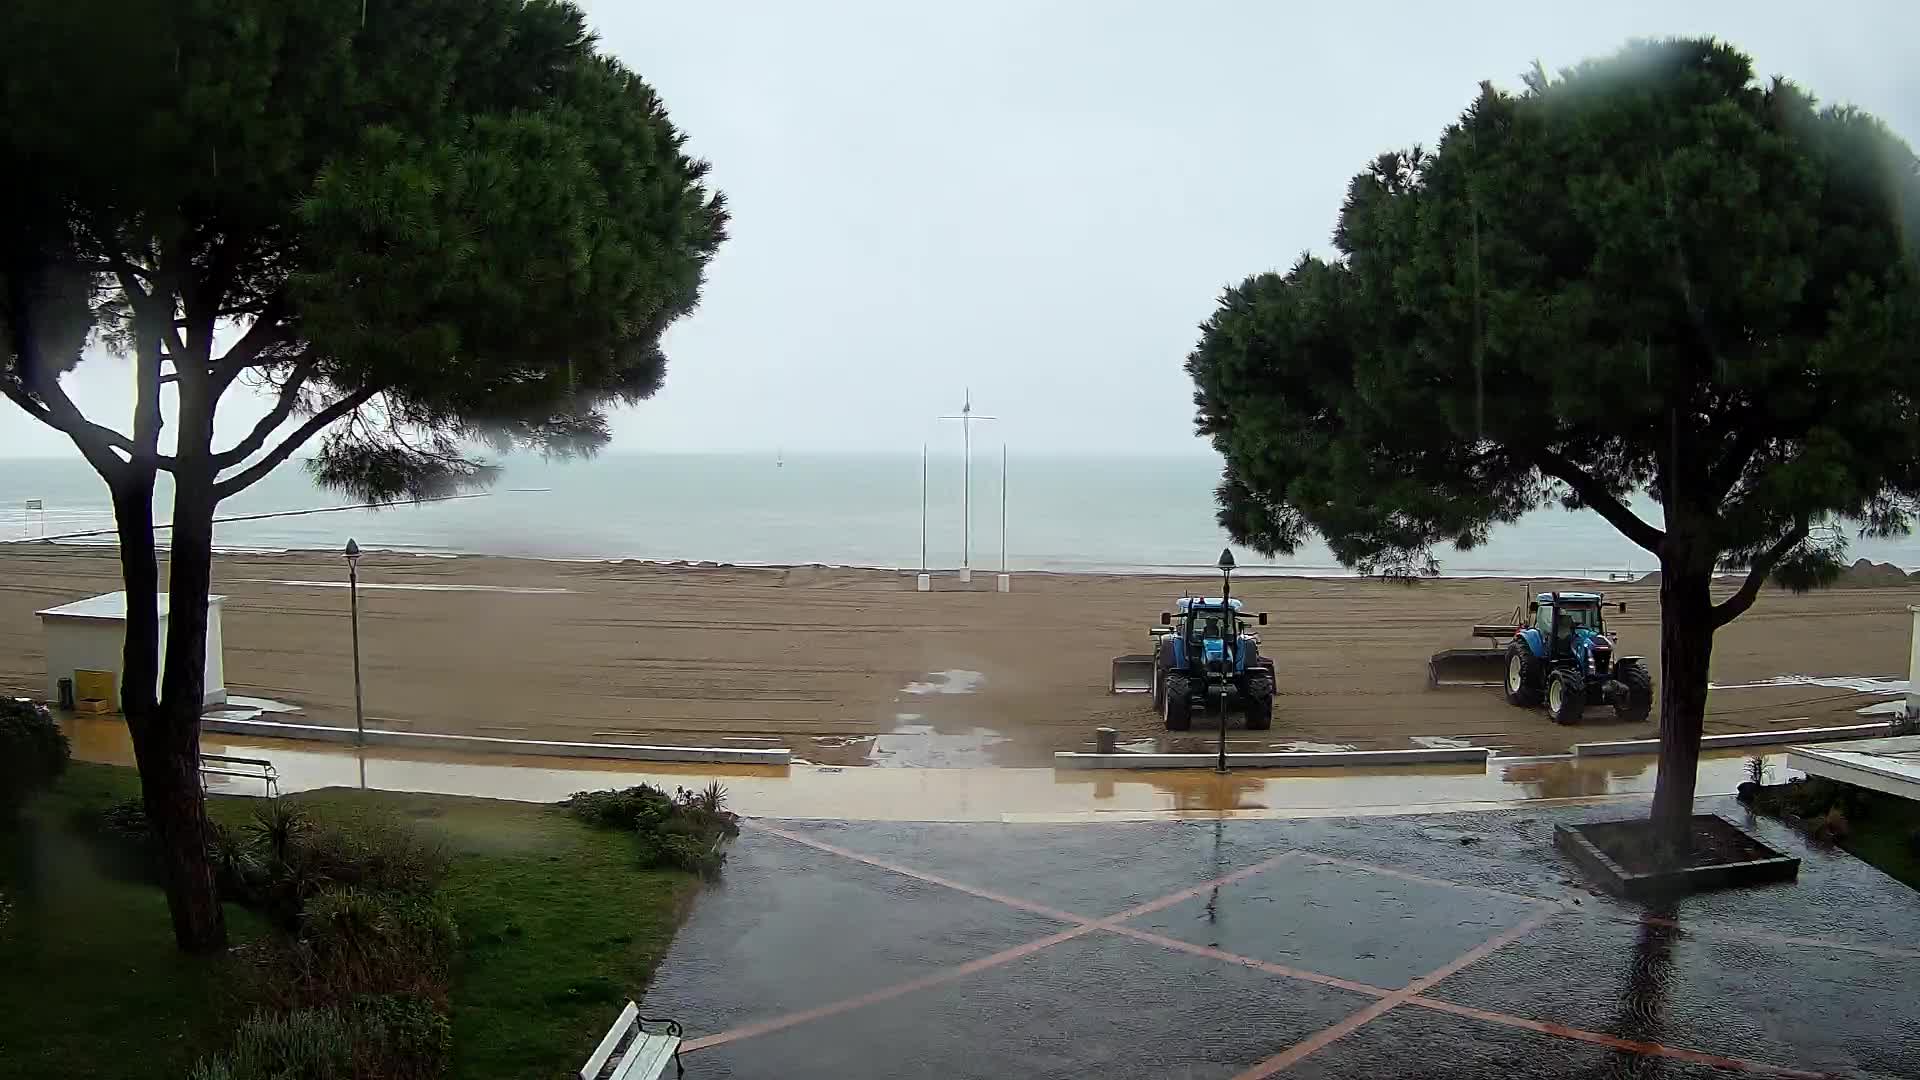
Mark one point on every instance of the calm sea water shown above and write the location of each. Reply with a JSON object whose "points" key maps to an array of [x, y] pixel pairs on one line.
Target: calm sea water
{"points": [[1085, 514]]}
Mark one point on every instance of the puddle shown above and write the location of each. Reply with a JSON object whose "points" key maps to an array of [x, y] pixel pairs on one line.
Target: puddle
{"points": [[920, 746], [946, 682], [260, 704], [1864, 684], [1302, 746], [247, 708], [1895, 709], [1447, 742], [841, 740], [1139, 746]]}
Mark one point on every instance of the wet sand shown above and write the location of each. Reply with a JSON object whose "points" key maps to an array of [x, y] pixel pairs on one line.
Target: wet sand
{"points": [[855, 667]]}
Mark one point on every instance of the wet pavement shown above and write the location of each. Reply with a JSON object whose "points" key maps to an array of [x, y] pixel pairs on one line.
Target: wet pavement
{"points": [[951, 794], [1445, 946]]}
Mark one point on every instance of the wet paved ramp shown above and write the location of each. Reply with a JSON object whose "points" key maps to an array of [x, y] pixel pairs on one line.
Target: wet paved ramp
{"points": [[1455, 946]]}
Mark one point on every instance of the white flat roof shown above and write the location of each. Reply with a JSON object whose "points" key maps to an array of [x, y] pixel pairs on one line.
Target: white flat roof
{"points": [[1891, 765], [109, 607]]}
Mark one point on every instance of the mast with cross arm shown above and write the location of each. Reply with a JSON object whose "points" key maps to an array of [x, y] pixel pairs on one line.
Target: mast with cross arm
{"points": [[967, 417]]}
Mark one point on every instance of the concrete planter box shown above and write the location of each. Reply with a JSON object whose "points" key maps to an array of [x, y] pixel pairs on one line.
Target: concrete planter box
{"points": [[1590, 844]]}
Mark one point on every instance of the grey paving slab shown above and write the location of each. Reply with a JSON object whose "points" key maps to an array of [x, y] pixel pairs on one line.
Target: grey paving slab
{"points": [[1094, 1006], [789, 928], [1806, 1008], [1335, 920]]}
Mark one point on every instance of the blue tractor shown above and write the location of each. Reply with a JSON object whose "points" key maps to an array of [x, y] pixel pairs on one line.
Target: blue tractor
{"points": [[1565, 656], [1203, 658]]}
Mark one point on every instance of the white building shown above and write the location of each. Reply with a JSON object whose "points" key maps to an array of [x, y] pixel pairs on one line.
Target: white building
{"points": [[90, 635]]}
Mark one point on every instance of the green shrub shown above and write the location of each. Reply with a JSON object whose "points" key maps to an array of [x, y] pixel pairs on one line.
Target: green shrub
{"points": [[685, 832], [375, 1037], [374, 855], [644, 806], [400, 1037], [33, 751], [354, 942], [275, 827], [307, 1044]]}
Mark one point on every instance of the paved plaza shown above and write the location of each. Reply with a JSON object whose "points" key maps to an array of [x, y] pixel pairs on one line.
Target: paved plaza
{"points": [[1456, 945]]}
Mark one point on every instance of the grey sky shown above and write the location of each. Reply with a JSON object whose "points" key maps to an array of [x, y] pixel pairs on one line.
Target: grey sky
{"points": [[1042, 200]]}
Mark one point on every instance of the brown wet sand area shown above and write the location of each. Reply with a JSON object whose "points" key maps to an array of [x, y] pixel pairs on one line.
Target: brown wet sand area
{"points": [[853, 667], [1455, 946]]}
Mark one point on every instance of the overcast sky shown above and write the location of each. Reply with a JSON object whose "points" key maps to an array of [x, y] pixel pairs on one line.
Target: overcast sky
{"points": [[1042, 200]]}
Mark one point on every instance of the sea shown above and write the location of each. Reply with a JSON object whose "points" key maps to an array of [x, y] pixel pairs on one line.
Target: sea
{"points": [[1060, 513]]}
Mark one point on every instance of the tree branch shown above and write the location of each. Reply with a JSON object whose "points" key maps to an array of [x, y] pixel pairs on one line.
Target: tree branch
{"points": [[1599, 499], [315, 424], [267, 330], [96, 443], [1736, 605], [282, 409]]}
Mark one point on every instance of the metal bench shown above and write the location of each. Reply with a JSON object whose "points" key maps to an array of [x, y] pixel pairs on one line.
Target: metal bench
{"points": [[630, 1052], [245, 768]]}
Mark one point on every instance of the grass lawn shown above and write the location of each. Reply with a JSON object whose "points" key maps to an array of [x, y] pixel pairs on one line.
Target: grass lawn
{"points": [[557, 929]]}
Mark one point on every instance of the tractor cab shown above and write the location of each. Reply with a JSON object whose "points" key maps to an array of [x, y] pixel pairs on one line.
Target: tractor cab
{"points": [[1571, 626], [1203, 625]]}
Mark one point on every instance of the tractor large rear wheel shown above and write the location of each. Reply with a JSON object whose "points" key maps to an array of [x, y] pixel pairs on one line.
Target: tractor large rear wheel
{"points": [[1638, 703], [1259, 703], [1566, 696], [1178, 708], [1525, 678]]}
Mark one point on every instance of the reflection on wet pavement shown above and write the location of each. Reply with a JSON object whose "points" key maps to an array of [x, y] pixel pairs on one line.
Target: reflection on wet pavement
{"points": [[953, 794], [1346, 948]]}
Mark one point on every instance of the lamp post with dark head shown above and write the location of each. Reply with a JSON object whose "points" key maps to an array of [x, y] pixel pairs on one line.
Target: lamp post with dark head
{"points": [[353, 592], [1231, 643]]}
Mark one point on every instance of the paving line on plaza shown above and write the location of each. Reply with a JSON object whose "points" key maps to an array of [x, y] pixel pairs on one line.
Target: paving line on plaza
{"points": [[1630, 1046], [1310, 1045], [1386, 1000]]}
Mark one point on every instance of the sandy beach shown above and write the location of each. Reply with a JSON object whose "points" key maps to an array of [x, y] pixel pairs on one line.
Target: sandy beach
{"points": [[855, 667]]}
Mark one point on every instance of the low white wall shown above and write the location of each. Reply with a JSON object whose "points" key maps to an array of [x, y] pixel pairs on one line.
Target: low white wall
{"points": [[1450, 754], [270, 729]]}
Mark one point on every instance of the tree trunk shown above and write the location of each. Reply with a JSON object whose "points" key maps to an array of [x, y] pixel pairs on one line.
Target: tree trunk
{"points": [[173, 785], [1686, 650]]}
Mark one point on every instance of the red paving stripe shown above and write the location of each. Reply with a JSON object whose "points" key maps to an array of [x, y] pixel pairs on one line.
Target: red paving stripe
{"points": [[1389, 999], [1614, 1042], [1404, 875], [1312, 1044], [921, 875], [886, 993], [1247, 961]]}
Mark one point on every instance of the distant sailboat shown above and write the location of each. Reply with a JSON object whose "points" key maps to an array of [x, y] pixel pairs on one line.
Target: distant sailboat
{"points": [[779, 459]]}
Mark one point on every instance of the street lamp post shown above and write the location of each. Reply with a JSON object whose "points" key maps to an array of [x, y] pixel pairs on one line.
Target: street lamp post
{"points": [[1232, 643], [353, 592]]}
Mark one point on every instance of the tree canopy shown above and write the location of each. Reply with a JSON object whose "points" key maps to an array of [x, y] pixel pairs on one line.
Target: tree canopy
{"points": [[423, 227], [459, 212], [1650, 275]]}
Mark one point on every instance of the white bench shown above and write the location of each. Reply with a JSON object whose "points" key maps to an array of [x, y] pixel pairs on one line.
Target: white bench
{"points": [[630, 1052], [243, 768]]}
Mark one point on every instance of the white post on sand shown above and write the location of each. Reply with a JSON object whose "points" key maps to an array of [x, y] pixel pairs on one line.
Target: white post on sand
{"points": [[967, 417], [1005, 581]]}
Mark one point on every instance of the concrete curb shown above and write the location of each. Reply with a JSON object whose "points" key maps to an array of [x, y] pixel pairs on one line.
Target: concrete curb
{"points": [[1450, 754], [1740, 738], [270, 729]]}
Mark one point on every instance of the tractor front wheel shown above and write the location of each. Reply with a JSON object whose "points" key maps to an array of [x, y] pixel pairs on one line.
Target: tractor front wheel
{"points": [[1259, 703], [1566, 696], [1178, 708], [1523, 675], [1638, 702]]}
